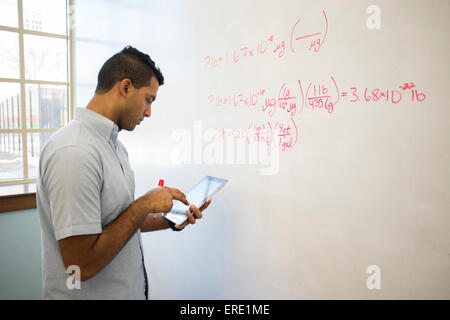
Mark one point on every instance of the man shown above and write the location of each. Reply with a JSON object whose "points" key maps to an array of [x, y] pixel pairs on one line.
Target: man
{"points": [[90, 221]]}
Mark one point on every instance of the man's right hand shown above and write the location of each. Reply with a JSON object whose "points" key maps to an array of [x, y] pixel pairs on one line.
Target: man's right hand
{"points": [[161, 199]]}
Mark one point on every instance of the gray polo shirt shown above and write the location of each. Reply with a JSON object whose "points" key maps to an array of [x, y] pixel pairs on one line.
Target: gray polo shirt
{"points": [[85, 182]]}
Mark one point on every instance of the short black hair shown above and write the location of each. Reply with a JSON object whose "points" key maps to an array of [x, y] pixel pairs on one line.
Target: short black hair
{"points": [[129, 63]]}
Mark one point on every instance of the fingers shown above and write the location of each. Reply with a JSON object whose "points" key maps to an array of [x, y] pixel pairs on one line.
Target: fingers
{"points": [[197, 213], [190, 217], [205, 205], [184, 224], [178, 195], [193, 213]]}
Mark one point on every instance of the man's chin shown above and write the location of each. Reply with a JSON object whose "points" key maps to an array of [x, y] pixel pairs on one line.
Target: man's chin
{"points": [[128, 128]]}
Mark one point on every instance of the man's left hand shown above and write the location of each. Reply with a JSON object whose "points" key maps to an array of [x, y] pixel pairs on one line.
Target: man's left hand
{"points": [[194, 215]]}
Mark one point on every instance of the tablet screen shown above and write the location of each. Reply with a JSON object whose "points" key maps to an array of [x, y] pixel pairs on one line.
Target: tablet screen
{"points": [[197, 196]]}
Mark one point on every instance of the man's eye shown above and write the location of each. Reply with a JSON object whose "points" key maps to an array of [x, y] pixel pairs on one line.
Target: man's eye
{"points": [[148, 101]]}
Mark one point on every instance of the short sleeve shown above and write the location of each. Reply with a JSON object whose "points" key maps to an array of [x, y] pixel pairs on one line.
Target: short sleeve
{"points": [[73, 182]]}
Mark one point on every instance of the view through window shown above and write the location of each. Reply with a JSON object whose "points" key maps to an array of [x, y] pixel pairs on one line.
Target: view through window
{"points": [[35, 82]]}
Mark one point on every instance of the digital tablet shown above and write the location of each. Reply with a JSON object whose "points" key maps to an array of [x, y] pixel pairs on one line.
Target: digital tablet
{"points": [[197, 196]]}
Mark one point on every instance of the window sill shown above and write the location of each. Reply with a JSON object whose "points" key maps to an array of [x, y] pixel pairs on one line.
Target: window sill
{"points": [[19, 196]]}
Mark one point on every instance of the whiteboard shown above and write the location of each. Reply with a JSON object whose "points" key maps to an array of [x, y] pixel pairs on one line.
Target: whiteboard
{"points": [[329, 119]]}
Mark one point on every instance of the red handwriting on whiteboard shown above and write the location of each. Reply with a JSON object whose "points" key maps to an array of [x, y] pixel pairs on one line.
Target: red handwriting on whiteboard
{"points": [[238, 55], [326, 95], [283, 135], [285, 101], [236, 100], [415, 95], [318, 95], [316, 39], [272, 44], [276, 133]]}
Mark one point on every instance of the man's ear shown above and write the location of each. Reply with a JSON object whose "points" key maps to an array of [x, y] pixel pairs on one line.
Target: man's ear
{"points": [[124, 86]]}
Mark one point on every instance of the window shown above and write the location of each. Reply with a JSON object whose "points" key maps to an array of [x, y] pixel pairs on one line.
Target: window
{"points": [[36, 87]]}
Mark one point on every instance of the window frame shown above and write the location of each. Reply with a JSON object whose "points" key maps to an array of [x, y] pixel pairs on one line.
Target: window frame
{"points": [[16, 195]]}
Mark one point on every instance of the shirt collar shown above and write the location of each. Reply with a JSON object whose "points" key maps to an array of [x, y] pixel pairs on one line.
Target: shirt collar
{"points": [[102, 125]]}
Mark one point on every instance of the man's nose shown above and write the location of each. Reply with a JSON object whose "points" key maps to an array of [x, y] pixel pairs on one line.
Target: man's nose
{"points": [[148, 112]]}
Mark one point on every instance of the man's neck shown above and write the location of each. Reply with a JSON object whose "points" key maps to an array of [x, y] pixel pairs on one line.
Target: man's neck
{"points": [[102, 105]]}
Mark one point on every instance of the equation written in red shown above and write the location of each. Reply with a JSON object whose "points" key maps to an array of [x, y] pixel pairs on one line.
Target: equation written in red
{"points": [[284, 101], [327, 96], [283, 135], [274, 45], [317, 96]]}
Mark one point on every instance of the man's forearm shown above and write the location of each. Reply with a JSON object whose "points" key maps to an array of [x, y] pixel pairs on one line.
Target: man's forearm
{"points": [[114, 237], [92, 252]]}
